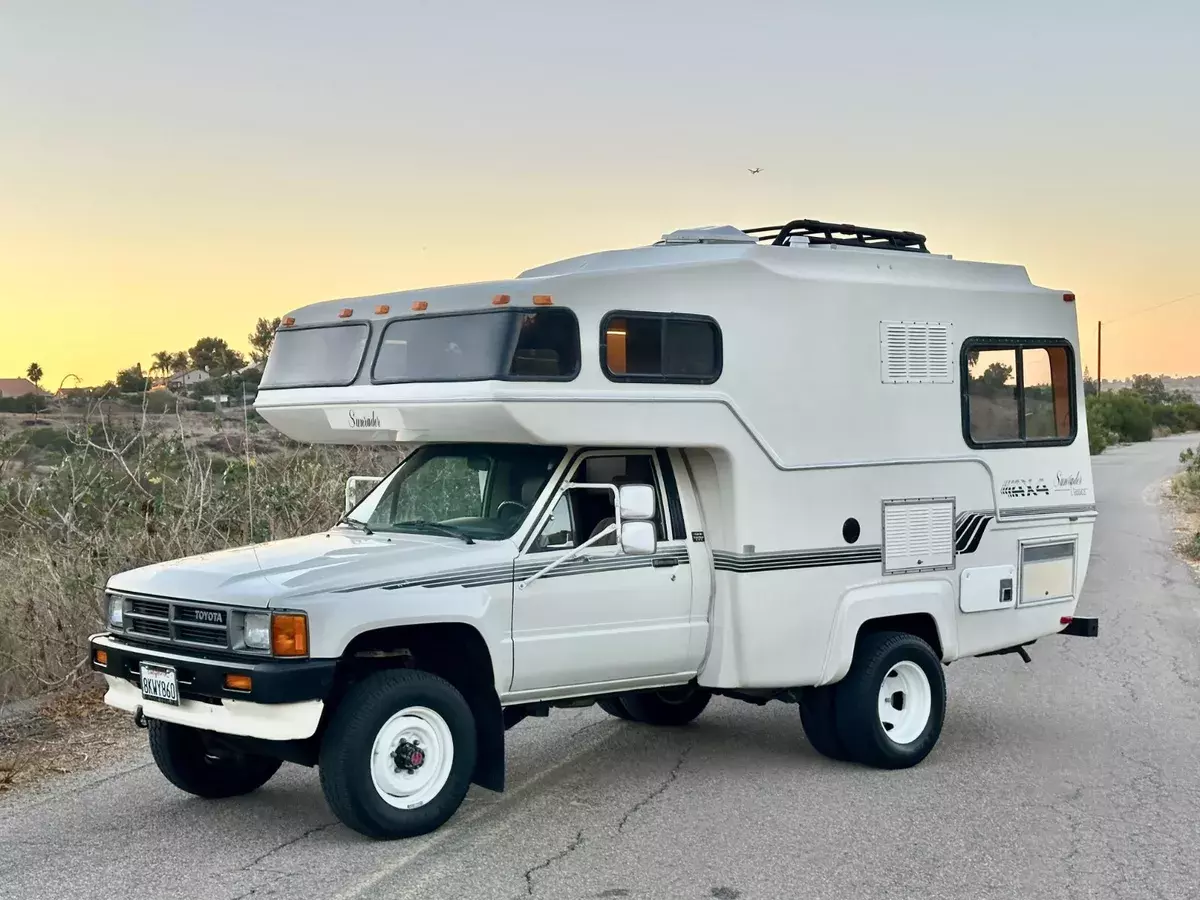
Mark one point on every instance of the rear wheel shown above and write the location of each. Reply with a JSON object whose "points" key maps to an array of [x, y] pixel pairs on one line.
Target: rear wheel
{"points": [[820, 727], [614, 707], [193, 763], [397, 758], [670, 706], [890, 706]]}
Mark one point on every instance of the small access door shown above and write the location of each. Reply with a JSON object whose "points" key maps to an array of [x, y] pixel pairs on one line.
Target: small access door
{"points": [[602, 616]]}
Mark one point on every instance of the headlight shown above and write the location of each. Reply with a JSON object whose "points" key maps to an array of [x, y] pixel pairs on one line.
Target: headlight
{"points": [[116, 612], [258, 631]]}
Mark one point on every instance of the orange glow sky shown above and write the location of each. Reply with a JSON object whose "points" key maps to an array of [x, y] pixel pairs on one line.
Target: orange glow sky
{"points": [[174, 170]]}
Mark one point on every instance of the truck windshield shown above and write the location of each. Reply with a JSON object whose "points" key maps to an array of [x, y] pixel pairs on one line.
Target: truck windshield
{"points": [[473, 491]]}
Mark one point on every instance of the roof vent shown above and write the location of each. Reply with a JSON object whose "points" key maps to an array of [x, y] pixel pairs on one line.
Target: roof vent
{"points": [[708, 234]]}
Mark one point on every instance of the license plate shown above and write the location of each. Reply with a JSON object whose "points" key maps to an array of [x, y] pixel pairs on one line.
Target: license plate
{"points": [[159, 683]]}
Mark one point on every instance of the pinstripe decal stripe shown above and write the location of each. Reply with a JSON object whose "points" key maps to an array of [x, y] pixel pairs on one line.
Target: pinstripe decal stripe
{"points": [[724, 560], [506, 573]]}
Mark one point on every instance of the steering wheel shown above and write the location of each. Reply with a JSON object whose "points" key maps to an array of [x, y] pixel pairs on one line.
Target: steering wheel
{"points": [[511, 508]]}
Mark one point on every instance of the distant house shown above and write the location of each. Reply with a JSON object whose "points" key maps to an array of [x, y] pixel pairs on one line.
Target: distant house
{"points": [[19, 387], [187, 379]]}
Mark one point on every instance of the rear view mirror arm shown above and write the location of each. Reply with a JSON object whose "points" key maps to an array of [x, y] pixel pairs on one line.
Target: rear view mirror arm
{"points": [[615, 527]]}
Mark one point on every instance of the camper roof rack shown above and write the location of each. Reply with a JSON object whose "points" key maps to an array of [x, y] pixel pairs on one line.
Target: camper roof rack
{"points": [[845, 235]]}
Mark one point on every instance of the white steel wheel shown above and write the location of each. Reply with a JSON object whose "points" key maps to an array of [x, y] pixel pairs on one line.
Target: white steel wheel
{"points": [[411, 757], [905, 702]]}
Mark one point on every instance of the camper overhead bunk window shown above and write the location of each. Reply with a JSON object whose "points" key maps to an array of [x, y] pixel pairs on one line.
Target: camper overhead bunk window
{"points": [[316, 356], [541, 345]]}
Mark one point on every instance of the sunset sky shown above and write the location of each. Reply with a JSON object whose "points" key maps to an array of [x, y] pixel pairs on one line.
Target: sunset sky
{"points": [[170, 170]]}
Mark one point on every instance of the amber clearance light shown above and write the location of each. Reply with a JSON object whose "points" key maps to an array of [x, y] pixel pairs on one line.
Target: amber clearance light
{"points": [[238, 682], [289, 635]]}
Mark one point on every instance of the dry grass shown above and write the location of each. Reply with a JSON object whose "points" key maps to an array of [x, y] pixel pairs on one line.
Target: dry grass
{"points": [[69, 731], [131, 491], [1185, 491]]}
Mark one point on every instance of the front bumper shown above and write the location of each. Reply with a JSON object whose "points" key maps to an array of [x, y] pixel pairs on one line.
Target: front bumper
{"points": [[285, 702]]}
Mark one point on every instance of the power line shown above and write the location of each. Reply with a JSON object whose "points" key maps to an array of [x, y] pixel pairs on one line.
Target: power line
{"points": [[1138, 312]]}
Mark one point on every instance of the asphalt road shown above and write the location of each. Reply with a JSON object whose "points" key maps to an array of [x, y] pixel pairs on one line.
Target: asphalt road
{"points": [[1076, 776]]}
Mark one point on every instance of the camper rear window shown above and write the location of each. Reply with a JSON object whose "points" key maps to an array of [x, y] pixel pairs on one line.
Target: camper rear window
{"points": [[508, 344], [321, 356], [658, 347], [1018, 392]]}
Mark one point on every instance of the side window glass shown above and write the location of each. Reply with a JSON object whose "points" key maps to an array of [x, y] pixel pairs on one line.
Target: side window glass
{"points": [[559, 532], [992, 393]]}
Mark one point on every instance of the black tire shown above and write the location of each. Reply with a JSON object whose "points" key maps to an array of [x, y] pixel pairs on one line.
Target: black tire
{"points": [[190, 762], [820, 727], [856, 703], [345, 758], [614, 707], [670, 706]]}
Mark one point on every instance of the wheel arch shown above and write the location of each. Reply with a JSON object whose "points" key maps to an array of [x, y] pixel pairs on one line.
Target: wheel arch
{"points": [[925, 609], [455, 651]]}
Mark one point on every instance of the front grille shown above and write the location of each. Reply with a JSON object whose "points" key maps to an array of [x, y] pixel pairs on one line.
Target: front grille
{"points": [[187, 624]]}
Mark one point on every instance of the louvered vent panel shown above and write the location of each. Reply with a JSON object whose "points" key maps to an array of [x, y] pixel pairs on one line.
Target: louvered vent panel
{"points": [[915, 353], [918, 536]]}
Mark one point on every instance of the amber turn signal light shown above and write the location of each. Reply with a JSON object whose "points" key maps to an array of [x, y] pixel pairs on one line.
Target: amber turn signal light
{"points": [[287, 322], [289, 635], [346, 313], [420, 305], [101, 657], [382, 309], [237, 682], [542, 300], [500, 299]]}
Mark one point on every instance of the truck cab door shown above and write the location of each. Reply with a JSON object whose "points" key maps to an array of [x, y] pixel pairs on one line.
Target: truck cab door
{"points": [[602, 616]]}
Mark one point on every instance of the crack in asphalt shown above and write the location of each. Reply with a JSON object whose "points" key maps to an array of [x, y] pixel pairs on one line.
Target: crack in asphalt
{"points": [[657, 792], [551, 860], [311, 831]]}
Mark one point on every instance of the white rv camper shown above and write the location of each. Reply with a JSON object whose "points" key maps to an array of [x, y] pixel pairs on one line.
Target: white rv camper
{"points": [[812, 463]]}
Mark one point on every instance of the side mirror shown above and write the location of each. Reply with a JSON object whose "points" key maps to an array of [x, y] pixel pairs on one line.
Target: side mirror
{"points": [[637, 502], [353, 496], [638, 538]]}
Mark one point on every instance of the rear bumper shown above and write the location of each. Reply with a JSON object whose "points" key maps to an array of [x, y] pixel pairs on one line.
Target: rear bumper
{"points": [[285, 702]]}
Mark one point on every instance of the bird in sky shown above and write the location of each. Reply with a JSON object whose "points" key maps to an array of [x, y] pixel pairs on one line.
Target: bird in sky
{"points": [[754, 171]]}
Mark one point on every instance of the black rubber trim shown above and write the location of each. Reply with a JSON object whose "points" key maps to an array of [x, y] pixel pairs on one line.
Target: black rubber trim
{"points": [[674, 507], [272, 681]]}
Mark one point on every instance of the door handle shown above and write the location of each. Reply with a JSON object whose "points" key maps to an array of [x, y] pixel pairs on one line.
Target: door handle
{"points": [[664, 562]]}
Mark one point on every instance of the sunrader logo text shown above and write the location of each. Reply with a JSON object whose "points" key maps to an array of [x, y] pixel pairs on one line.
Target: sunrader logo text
{"points": [[364, 420]]}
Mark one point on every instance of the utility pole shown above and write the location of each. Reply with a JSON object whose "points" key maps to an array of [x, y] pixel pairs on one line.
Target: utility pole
{"points": [[1099, 357]]}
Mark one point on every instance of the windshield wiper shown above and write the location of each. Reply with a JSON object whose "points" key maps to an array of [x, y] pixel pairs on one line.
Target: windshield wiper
{"points": [[436, 528], [355, 523]]}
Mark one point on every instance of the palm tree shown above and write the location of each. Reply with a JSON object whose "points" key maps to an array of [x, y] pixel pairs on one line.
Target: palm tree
{"points": [[34, 373], [180, 362], [163, 360]]}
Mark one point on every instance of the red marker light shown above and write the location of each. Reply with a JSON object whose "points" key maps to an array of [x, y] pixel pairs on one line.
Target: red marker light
{"points": [[1068, 298]]}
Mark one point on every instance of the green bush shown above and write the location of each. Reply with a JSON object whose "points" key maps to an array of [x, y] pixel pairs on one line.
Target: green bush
{"points": [[1123, 414]]}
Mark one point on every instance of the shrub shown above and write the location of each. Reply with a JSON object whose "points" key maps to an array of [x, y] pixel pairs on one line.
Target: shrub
{"points": [[121, 499], [1125, 414]]}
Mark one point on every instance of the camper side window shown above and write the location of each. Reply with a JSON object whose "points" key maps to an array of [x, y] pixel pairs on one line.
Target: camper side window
{"points": [[1018, 392]]}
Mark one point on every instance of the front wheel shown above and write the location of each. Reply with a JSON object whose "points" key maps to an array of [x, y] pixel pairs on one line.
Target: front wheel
{"points": [[397, 758], [890, 706], [192, 763], [670, 706]]}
